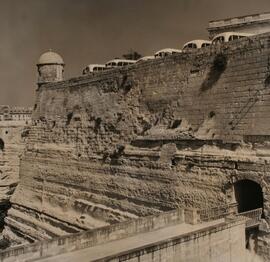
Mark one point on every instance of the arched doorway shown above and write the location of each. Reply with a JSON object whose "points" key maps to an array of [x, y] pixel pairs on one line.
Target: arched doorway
{"points": [[2, 144], [248, 195]]}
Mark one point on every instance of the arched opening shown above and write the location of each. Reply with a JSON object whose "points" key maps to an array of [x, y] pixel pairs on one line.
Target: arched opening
{"points": [[2, 144], [248, 195]]}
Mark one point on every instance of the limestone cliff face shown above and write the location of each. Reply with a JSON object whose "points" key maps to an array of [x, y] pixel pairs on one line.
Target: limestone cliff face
{"points": [[12, 140], [137, 141]]}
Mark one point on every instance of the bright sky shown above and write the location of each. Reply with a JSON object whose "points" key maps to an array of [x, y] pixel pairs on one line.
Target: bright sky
{"points": [[95, 31]]}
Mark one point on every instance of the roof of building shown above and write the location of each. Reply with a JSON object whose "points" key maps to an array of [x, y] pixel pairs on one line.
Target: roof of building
{"points": [[50, 57], [239, 20]]}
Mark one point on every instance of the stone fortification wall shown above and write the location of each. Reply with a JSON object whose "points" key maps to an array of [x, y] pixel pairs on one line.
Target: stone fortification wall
{"points": [[137, 141], [225, 86]]}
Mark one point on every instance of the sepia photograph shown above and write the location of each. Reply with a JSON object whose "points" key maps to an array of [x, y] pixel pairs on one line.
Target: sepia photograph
{"points": [[135, 131]]}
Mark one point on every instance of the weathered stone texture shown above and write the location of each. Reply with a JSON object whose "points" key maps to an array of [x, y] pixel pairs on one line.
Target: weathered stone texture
{"points": [[12, 136], [144, 139]]}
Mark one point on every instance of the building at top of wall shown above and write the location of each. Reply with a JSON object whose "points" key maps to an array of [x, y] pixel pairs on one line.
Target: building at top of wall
{"points": [[255, 24], [13, 113]]}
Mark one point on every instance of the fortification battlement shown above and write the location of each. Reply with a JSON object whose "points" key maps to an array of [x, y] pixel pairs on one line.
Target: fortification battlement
{"points": [[186, 56]]}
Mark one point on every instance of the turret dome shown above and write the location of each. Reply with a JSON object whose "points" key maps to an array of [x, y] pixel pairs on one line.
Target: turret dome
{"points": [[50, 57], [50, 68]]}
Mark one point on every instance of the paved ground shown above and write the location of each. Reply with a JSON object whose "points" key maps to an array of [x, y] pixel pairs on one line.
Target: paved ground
{"points": [[115, 247]]}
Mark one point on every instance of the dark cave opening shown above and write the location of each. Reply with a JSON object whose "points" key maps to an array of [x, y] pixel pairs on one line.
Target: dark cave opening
{"points": [[2, 144], [248, 195]]}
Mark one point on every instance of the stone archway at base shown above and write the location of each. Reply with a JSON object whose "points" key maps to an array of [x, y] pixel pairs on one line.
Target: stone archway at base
{"points": [[248, 195]]}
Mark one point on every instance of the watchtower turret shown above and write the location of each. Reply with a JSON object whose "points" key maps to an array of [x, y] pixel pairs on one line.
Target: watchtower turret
{"points": [[50, 68]]}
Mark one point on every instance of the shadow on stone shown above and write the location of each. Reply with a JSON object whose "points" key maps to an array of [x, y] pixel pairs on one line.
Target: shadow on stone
{"points": [[218, 67]]}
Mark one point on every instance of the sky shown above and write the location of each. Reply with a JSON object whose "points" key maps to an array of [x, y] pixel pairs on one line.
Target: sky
{"points": [[95, 31]]}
